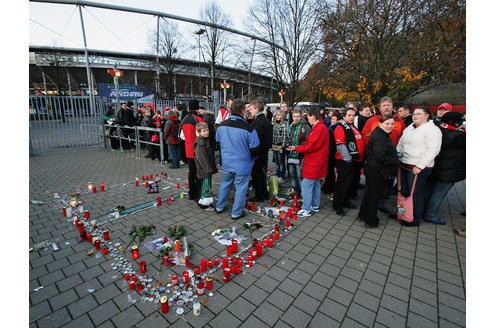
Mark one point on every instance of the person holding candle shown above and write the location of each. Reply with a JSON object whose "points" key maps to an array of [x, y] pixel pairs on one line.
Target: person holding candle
{"points": [[315, 163], [380, 167], [238, 145], [204, 156]]}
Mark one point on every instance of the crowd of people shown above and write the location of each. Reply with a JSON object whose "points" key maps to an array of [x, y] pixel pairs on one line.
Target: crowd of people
{"points": [[314, 151]]}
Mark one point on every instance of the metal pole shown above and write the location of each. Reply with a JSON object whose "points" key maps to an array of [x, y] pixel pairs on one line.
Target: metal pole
{"points": [[199, 63], [157, 54], [90, 84], [250, 65], [117, 91]]}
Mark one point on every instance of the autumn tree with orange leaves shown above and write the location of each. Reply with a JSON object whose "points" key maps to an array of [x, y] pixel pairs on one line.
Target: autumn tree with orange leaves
{"points": [[374, 48]]}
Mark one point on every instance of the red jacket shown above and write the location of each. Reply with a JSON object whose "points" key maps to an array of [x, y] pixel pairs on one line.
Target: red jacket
{"points": [[374, 121], [315, 150], [189, 129]]}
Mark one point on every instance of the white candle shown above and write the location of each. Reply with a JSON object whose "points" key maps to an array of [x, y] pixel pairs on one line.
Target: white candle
{"points": [[196, 308]]}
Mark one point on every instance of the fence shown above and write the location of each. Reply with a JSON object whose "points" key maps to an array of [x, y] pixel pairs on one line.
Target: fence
{"points": [[63, 122]]}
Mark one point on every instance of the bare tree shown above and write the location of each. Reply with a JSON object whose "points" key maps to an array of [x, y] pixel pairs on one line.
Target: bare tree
{"points": [[217, 41], [294, 25], [170, 47]]}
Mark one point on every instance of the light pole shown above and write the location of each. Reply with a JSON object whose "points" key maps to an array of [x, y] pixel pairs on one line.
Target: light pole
{"points": [[199, 33], [281, 93], [116, 73], [224, 85]]}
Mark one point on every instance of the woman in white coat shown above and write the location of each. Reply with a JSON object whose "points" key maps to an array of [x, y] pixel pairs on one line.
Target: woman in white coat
{"points": [[418, 146]]}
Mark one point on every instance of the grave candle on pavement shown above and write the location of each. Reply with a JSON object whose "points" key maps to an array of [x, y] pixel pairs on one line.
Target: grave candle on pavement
{"points": [[185, 277], [134, 252], [142, 267], [164, 303], [209, 283], [106, 235], [203, 264], [235, 247]]}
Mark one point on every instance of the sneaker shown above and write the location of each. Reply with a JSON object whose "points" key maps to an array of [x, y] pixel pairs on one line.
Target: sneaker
{"points": [[209, 209], [182, 163], [435, 220], [303, 213], [315, 209], [243, 214]]}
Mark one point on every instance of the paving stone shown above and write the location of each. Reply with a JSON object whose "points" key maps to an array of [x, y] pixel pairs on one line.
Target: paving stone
{"points": [[416, 320], [296, 317], [266, 283], [255, 295], [69, 282], [394, 304], [268, 313], [127, 318], [81, 322], [320, 320], [361, 314], [253, 322], [241, 308], [42, 260], [39, 310], [82, 305], [452, 315], [225, 319], [307, 303], [333, 309], [63, 299], [366, 300], [340, 295], [280, 299], [103, 312], [104, 294], [217, 303], [347, 284], [400, 292], [423, 309], [43, 294], [55, 319], [390, 318]]}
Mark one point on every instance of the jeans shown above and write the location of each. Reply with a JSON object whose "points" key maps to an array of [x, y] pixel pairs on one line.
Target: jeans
{"points": [[436, 194], [295, 177], [173, 150], [241, 183], [310, 193], [279, 157]]}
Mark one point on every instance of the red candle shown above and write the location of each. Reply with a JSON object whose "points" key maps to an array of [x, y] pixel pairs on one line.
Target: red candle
{"points": [[276, 235], [253, 253], [158, 201], [281, 202], [164, 303], [64, 211], [259, 249], [127, 276], [216, 261], [250, 263], [226, 274], [134, 278], [106, 235], [277, 227], [201, 288], [186, 185], [175, 280], [142, 266], [134, 252], [132, 284], [172, 198], [89, 237], [265, 242], [235, 247], [165, 259], [140, 287], [97, 244], [271, 170], [177, 246], [105, 250], [282, 215], [210, 264], [239, 262], [146, 184], [102, 186], [168, 200], [229, 250], [203, 265], [197, 271], [270, 242], [209, 283], [249, 258], [142, 178], [137, 183], [289, 212], [165, 239], [225, 262], [86, 214], [287, 223], [94, 189], [185, 277], [178, 186], [294, 216]]}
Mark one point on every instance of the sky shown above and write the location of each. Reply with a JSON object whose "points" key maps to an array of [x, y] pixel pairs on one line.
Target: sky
{"points": [[60, 25]]}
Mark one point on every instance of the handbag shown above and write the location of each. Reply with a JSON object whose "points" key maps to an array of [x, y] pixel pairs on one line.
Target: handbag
{"points": [[405, 205], [155, 138]]}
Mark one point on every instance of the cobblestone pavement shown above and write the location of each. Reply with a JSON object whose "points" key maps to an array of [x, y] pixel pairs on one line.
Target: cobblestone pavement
{"points": [[326, 271]]}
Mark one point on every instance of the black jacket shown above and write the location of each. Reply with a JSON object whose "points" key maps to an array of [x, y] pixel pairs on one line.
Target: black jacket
{"points": [[450, 163], [264, 129], [204, 157], [381, 154]]}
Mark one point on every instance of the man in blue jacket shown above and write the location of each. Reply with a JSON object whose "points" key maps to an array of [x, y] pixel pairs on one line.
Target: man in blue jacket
{"points": [[239, 144]]}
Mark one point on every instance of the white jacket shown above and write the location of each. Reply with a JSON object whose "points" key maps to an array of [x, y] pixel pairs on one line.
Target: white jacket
{"points": [[419, 146]]}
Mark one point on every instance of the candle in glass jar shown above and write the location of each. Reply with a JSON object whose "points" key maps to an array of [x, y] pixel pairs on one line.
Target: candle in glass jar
{"points": [[209, 283], [146, 184], [226, 274], [158, 201], [229, 250], [203, 265], [134, 278], [106, 235], [178, 186], [132, 284], [287, 223], [177, 246], [289, 212], [97, 244], [172, 198], [185, 277], [216, 261], [270, 242], [197, 271], [175, 280], [253, 253], [276, 235], [86, 214], [102, 186], [89, 237], [235, 246], [105, 250], [90, 186], [127, 276], [259, 249], [135, 252], [142, 267], [94, 189], [239, 262], [294, 216], [225, 262], [201, 288], [186, 185], [136, 183], [140, 287], [64, 211], [282, 215], [164, 303]]}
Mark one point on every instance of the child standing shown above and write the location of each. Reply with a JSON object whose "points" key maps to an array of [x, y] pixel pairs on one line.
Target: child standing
{"points": [[204, 158]]}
